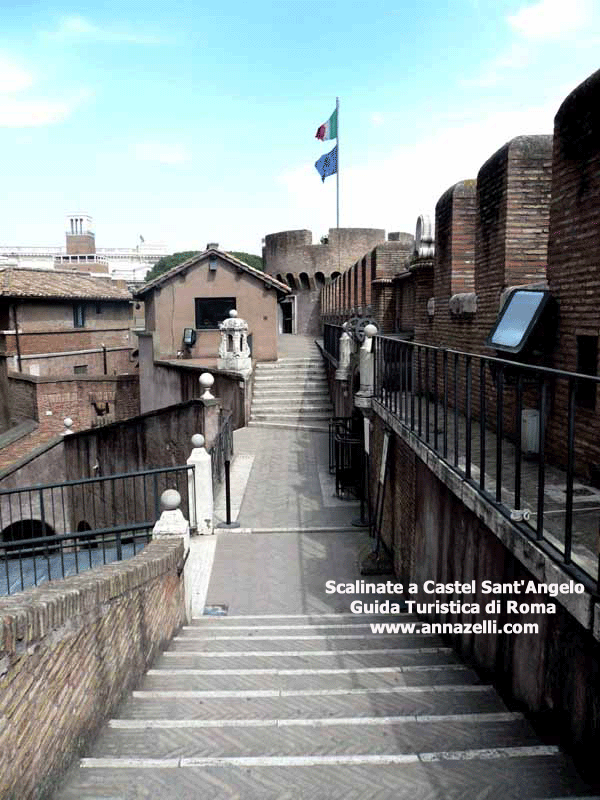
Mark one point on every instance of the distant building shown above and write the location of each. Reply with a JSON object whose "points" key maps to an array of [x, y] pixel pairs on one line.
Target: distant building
{"points": [[126, 263]]}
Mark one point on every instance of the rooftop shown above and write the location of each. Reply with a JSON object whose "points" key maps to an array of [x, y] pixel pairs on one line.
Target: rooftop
{"points": [[59, 284]]}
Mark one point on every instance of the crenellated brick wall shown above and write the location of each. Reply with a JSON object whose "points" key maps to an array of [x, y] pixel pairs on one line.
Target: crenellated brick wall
{"points": [[69, 651]]}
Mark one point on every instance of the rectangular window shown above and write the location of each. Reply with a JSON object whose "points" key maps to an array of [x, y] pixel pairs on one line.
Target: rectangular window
{"points": [[98, 308], [80, 369], [79, 315], [210, 311], [587, 364]]}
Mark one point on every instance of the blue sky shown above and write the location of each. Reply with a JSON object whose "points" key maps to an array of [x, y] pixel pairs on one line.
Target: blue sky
{"points": [[190, 122]]}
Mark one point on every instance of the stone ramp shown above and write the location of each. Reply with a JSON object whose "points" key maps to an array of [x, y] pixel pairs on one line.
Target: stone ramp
{"points": [[269, 706]]}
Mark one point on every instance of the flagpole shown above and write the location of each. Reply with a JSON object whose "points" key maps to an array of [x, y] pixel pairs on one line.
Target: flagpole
{"points": [[337, 178]]}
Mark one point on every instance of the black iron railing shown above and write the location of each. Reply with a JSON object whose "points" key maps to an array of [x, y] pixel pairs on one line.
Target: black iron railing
{"points": [[331, 340], [51, 531], [222, 449], [514, 431]]}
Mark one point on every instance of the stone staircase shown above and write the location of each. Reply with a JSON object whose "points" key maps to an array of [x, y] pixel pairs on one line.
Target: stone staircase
{"points": [[319, 707], [291, 393]]}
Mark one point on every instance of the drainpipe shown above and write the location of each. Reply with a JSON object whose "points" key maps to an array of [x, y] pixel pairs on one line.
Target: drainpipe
{"points": [[17, 342]]}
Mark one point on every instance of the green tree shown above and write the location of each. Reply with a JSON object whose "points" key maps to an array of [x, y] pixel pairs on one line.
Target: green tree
{"points": [[168, 262]]}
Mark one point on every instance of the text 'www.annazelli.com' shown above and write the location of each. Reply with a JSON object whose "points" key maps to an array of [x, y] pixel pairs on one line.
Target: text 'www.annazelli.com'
{"points": [[485, 626]]}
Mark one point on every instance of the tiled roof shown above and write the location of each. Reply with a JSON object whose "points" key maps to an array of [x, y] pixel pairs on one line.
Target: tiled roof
{"points": [[257, 273], [63, 284]]}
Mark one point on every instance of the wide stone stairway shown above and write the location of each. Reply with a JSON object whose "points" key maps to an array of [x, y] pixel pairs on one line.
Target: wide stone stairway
{"points": [[314, 706], [292, 392]]}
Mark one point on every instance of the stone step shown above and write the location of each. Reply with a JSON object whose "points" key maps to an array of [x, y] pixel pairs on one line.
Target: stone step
{"points": [[494, 775], [286, 362], [359, 678], [314, 621], [274, 393], [318, 382], [289, 426], [300, 416], [321, 739], [277, 406], [370, 703], [308, 642], [323, 660]]}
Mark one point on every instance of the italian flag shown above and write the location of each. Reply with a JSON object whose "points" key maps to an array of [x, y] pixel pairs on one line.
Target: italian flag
{"points": [[329, 129]]}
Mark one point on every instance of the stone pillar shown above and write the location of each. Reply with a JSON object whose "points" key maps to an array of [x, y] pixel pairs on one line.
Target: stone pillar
{"points": [[362, 399], [200, 487], [234, 353], [212, 409], [172, 524], [343, 370]]}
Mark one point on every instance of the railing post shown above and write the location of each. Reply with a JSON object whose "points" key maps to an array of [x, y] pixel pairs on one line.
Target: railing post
{"points": [[200, 490], [212, 409], [362, 399], [171, 524], [345, 350]]}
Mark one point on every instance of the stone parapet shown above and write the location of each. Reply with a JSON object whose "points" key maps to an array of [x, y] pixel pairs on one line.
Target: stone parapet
{"points": [[69, 650]]}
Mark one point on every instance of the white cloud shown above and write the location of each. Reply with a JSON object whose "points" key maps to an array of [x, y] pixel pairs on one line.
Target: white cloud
{"points": [[23, 112], [78, 27], [377, 119], [551, 19], [13, 77], [160, 153]]}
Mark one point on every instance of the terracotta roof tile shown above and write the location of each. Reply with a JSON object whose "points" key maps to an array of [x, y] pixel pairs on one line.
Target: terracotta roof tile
{"points": [[22, 282]]}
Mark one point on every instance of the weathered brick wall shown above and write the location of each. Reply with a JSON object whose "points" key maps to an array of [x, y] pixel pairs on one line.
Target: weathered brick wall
{"points": [[75, 398], [69, 651], [513, 206], [454, 263], [293, 251], [574, 256], [23, 398], [117, 361], [354, 288], [434, 536]]}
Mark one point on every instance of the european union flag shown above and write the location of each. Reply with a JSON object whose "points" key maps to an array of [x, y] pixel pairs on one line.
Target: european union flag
{"points": [[327, 164]]}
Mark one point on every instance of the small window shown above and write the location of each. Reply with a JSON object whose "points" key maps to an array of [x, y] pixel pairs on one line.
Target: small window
{"points": [[79, 315], [80, 369], [210, 311], [98, 308], [587, 364]]}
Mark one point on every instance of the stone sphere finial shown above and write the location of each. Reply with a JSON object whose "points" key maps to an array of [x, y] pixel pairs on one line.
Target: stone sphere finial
{"points": [[170, 500], [197, 440], [68, 422], [233, 313], [206, 380], [370, 330]]}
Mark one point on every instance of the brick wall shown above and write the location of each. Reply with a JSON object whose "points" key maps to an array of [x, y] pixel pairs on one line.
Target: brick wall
{"points": [[74, 397], [574, 256], [454, 263], [69, 652], [438, 531]]}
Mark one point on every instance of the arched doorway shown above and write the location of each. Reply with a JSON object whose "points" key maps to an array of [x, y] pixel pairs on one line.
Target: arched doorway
{"points": [[22, 531]]}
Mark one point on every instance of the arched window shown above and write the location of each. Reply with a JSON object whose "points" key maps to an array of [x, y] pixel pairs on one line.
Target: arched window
{"points": [[304, 281], [22, 530], [335, 276], [291, 280], [319, 279]]}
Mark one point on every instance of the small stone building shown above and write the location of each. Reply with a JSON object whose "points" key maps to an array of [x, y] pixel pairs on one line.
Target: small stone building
{"points": [[199, 294]]}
